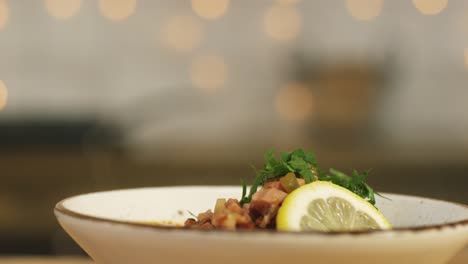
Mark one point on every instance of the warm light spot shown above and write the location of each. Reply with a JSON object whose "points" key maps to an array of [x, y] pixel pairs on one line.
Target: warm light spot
{"points": [[4, 14], [117, 10], [430, 7], [288, 2], [462, 22], [364, 10], [466, 58], [282, 23], [62, 9], [182, 33], [209, 73], [294, 102], [3, 95], [210, 9]]}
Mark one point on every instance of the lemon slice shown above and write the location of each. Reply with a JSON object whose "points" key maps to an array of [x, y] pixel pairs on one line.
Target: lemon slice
{"points": [[324, 206]]}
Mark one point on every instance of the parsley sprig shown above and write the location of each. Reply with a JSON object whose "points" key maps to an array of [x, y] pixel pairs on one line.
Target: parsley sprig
{"points": [[304, 165], [355, 183]]}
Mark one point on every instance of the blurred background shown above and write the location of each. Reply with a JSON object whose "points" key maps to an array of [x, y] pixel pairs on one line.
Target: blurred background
{"points": [[105, 94]]}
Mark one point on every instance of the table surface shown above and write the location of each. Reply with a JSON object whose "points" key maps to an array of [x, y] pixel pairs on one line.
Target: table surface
{"points": [[461, 258]]}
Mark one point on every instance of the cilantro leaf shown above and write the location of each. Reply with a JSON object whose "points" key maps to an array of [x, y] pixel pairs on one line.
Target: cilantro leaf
{"points": [[355, 183], [310, 158], [304, 165], [296, 161]]}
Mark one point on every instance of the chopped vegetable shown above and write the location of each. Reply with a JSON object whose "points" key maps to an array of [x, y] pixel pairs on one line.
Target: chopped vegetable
{"points": [[304, 165], [289, 182], [297, 161], [279, 179], [219, 207]]}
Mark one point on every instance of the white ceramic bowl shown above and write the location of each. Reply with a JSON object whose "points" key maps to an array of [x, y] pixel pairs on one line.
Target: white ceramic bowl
{"points": [[114, 227]]}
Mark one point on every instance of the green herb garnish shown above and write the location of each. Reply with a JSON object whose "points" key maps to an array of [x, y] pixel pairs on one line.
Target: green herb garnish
{"points": [[304, 165], [192, 214], [356, 183]]}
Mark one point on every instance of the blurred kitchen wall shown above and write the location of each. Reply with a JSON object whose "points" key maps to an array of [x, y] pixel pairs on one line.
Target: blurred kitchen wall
{"points": [[121, 60], [103, 94]]}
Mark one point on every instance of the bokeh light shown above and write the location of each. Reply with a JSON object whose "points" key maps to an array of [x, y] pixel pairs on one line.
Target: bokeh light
{"points": [[209, 73], [210, 9], [282, 23], [430, 7], [182, 33], [117, 10], [462, 23], [3, 95], [364, 10], [295, 102], [62, 9], [4, 14]]}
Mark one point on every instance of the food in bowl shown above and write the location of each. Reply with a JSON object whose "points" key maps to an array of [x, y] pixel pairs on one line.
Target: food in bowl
{"points": [[293, 193], [116, 227]]}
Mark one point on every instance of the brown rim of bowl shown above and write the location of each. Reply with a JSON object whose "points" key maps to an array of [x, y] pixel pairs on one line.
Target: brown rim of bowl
{"points": [[61, 209]]}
